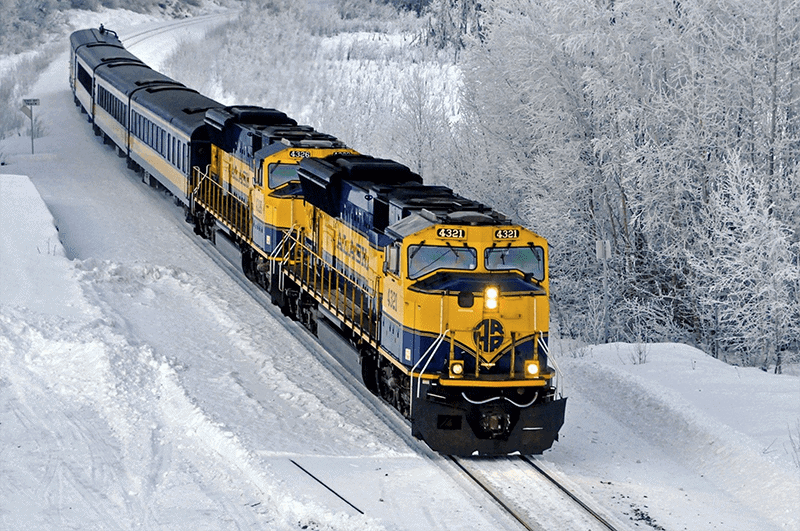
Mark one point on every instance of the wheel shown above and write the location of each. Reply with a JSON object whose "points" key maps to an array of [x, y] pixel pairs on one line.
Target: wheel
{"points": [[248, 265], [306, 307], [369, 371]]}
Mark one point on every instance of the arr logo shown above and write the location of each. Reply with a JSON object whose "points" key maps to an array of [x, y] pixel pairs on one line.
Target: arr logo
{"points": [[489, 335]]}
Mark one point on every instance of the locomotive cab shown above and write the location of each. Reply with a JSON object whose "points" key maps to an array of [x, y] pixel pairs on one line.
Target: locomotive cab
{"points": [[251, 184]]}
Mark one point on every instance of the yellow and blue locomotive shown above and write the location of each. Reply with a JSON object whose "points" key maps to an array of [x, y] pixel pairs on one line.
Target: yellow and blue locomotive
{"points": [[250, 187], [445, 299]]}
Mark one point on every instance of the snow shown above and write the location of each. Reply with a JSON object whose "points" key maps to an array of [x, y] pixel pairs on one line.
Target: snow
{"points": [[142, 387], [697, 434]]}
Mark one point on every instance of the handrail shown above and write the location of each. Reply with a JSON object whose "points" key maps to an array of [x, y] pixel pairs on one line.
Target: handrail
{"points": [[287, 248], [197, 176], [551, 359], [333, 287], [436, 345], [431, 350], [279, 247], [226, 206]]}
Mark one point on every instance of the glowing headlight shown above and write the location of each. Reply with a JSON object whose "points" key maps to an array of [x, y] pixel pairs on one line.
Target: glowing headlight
{"points": [[490, 298], [456, 368], [531, 368]]}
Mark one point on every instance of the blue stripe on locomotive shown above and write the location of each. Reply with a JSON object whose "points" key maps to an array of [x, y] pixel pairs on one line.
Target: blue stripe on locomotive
{"points": [[266, 237], [395, 338]]}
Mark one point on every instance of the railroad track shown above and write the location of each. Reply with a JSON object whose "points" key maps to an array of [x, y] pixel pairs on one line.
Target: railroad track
{"points": [[140, 36], [481, 470], [531, 461]]}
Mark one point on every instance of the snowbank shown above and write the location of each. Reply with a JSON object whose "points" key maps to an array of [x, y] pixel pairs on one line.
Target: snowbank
{"points": [[677, 421], [98, 432], [35, 271]]}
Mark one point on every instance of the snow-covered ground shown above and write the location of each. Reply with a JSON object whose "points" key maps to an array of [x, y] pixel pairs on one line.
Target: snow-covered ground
{"points": [[142, 387]]}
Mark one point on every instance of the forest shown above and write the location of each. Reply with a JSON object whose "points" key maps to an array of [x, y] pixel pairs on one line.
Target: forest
{"points": [[654, 143], [670, 130]]}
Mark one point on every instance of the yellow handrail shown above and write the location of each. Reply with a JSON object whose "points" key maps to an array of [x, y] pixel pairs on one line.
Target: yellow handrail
{"points": [[232, 211], [340, 294]]}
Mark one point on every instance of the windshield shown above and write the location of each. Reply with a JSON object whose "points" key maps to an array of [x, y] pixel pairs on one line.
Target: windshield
{"points": [[280, 174], [423, 259], [529, 260]]}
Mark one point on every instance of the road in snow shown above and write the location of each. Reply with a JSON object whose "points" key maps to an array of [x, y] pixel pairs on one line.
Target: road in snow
{"points": [[140, 386]]}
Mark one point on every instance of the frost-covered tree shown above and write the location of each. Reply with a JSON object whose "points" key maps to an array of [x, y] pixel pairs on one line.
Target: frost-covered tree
{"points": [[731, 88], [421, 124], [750, 273], [454, 23], [613, 121]]}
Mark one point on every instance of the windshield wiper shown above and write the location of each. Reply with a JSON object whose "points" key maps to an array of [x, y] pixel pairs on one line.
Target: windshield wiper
{"points": [[415, 251]]}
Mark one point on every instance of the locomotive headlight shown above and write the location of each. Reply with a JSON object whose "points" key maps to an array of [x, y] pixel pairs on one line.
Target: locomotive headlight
{"points": [[456, 368], [531, 368], [490, 297]]}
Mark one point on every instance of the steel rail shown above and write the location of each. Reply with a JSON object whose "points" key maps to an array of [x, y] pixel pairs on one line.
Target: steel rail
{"points": [[515, 513], [140, 36], [488, 490], [568, 492]]}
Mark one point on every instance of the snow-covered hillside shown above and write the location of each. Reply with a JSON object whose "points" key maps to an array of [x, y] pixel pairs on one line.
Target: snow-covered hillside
{"points": [[142, 387]]}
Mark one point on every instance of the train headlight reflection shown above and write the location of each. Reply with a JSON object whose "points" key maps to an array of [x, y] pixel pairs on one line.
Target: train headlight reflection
{"points": [[531, 368]]}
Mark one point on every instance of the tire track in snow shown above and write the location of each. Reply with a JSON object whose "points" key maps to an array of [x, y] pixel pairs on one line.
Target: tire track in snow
{"points": [[69, 464], [254, 356]]}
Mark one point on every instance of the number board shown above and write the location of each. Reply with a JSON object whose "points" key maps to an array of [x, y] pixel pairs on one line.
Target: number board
{"points": [[506, 234], [451, 233]]}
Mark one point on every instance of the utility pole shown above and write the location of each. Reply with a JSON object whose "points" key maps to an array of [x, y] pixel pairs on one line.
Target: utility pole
{"points": [[27, 108]]}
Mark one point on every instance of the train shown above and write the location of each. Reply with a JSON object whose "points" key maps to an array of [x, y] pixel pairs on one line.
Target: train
{"points": [[444, 299]]}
